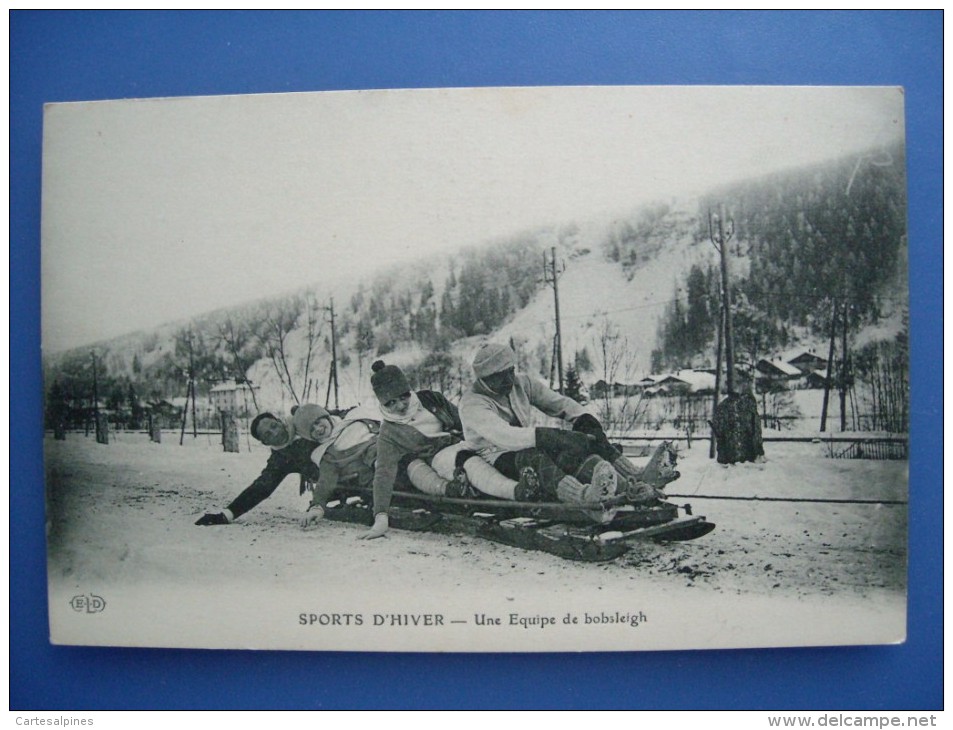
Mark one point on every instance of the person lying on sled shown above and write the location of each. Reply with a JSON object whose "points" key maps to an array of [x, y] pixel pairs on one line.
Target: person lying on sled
{"points": [[421, 442], [290, 454], [578, 465], [345, 456]]}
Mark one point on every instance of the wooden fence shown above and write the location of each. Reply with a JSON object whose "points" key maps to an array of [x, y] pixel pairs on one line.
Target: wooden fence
{"points": [[840, 446]]}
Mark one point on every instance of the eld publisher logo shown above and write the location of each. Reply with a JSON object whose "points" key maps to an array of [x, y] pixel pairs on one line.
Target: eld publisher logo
{"points": [[88, 604]]}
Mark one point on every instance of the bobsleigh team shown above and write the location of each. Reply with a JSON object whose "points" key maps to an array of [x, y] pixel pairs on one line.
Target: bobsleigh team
{"points": [[419, 440]]}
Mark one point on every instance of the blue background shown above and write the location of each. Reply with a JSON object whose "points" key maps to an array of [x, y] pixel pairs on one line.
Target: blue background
{"points": [[61, 56]]}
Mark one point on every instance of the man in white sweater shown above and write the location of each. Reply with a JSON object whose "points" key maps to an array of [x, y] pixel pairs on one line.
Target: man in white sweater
{"points": [[578, 465]]}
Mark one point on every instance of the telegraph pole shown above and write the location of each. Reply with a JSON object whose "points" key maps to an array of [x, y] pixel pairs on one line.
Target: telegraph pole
{"points": [[95, 393], [830, 364], [189, 394], [720, 240], [845, 365], [714, 405], [195, 433], [551, 273], [333, 375], [102, 427]]}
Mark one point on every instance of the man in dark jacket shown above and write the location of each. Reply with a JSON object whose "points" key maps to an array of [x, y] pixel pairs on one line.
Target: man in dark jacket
{"points": [[291, 454]]}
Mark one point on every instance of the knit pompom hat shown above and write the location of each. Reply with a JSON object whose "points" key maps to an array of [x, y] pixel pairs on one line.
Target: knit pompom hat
{"points": [[493, 358], [388, 381]]}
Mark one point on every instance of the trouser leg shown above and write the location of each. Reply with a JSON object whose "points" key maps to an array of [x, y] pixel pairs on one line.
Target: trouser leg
{"points": [[488, 480], [424, 478]]}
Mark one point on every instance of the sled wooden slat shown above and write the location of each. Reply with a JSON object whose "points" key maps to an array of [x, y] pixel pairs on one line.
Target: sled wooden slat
{"points": [[684, 529]]}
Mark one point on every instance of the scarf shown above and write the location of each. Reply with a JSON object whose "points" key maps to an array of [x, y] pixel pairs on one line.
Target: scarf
{"points": [[418, 417], [412, 408]]}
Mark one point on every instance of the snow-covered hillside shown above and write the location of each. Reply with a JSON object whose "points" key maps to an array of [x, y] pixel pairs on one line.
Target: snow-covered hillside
{"points": [[618, 278], [595, 292]]}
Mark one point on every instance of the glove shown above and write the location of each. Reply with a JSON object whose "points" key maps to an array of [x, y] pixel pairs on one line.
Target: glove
{"points": [[556, 442], [380, 526], [312, 517], [642, 493], [588, 425], [216, 518]]}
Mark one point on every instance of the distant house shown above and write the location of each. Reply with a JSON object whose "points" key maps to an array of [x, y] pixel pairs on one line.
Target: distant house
{"points": [[776, 372], [601, 388], [681, 382], [815, 379], [807, 362], [235, 398], [161, 406], [700, 382], [672, 384]]}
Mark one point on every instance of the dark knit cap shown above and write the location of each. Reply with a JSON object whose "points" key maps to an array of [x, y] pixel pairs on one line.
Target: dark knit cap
{"points": [[388, 381], [258, 419]]}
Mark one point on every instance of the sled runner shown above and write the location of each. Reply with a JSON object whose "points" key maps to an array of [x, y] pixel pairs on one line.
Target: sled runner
{"points": [[590, 532]]}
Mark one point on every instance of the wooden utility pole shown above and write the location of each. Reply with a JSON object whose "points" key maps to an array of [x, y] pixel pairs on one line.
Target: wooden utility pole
{"points": [[830, 365], [551, 274], [719, 240], [845, 364], [95, 394], [195, 433], [102, 427], [333, 373], [714, 402], [734, 422], [189, 395]]}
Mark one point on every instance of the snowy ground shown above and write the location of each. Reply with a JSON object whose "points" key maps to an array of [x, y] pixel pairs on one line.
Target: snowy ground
{"points": [[772, 573]]}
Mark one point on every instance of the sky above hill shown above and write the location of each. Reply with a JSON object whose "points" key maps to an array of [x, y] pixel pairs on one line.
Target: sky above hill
{"points": [[161, 209]]}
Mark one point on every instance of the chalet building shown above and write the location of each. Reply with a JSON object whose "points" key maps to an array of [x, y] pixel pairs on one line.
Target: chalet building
{"points": [[807, 362], [815, 379], [681, 382], [600, 388], [235, 398], [777, 372]]}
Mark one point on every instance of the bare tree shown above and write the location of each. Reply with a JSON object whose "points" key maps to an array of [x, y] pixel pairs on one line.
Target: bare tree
{"points": [[279, 321], [691, 410], [364, 342], [777, 405], [289, 332], [314, 320], [618, 411], [241, 343], [276, 325], [884, 386], [197, 360]]}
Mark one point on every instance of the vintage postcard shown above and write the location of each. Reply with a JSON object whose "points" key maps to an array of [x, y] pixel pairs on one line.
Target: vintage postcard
{"points": [[485, 370]]}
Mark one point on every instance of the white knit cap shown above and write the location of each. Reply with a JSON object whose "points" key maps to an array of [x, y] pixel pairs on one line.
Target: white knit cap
{"points": [[492, 358]]}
